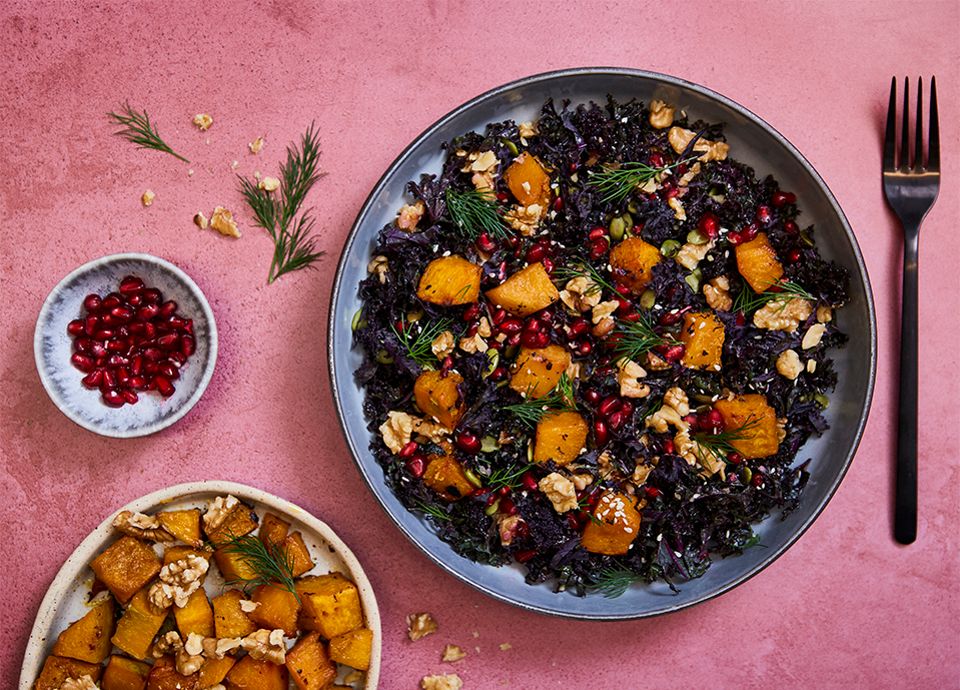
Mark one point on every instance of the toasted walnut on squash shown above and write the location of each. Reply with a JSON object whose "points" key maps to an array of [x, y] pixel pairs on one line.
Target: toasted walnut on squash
{"points": [[215, 670], [123, 673], [537, 372], [196, 616], [229, 620], [278, 609], [450, 281], [527, 291], [57, 669], [138, 626], [331, 605], [560, 437], [88, 639], [164, 676], [309, 665], [437, 394], [702, 336], [183, 524], [238, 522], [632, 263], [177, 553], [125, 567], [446, 476], [528, 181], [353, 648], [758, 264], [615, 524], [756, 422], [273, 529], [253, 674]]}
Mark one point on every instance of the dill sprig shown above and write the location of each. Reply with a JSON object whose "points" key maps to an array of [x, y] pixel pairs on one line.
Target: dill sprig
{"points": [[137, 129], [507, 477], [294, 245], [531, 410], [584, 269], [613, 582], [475, 211], [616, 182], [721, 444], [748, 300], [637, 338], [418, 345], [272, 564], [433, 511]]}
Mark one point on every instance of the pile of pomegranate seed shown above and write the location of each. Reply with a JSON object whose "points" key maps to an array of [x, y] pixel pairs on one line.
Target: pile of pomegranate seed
{"points": [[129, 341]]}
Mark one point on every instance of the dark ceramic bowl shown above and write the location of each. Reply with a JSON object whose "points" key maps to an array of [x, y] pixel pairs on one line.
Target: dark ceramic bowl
{"points": [[752, 141]]}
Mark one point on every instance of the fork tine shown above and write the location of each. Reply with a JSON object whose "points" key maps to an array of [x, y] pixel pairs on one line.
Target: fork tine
{"points": [[933, 157], [905, 121], [890, 138], [918, 134]]}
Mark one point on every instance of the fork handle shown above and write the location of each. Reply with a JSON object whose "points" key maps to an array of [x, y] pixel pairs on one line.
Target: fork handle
{"points": [[905, 514]]}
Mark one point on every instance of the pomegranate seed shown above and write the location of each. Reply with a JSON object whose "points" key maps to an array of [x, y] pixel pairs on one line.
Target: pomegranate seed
{"points": [[597, 234], [135, 300], [763, 214], [105, 334], [529, 481], [416, 465], [149, 330], [656, 160], [735, 458], [598, 248], [137, 382], [111, 301], [558, 204], [667, 446], [757, 480], [447, 364], [494, 344], [188, 326], [532, 325], [92, 303], [502, 197], [584, 348], [573, 521], [498, 315], [165, 388], [93, 379], [522, 530], [693, 421], [90, 324], [82, 362], [170, 371], [136, 365], [626, 408], [674, 353], [741, 319], [791, 228], [579, 326], [469, 314], [734, 237], [152, 354], [514, 339], [615, 420], [491, 499], [794, 255], [117, 361], [130, 396], [632, 317], [130, 285], [108, 320], [116, 345], [511, 326], [715, 419], [546, 316], [176, 357], [623, 305], [152, 296], [749, 232], [498, 374], [485, 244], [123, 375], [780, 198], [670, 191], [468, 442], [591, 396], [709, 225], [507, 506], [525, 555], [529, 339], [109, 379], [151, 368], [84, 345], [481, 491], [547, 264], [536, 253], [168, 308], [652, 491], [98, 350], [75, 327], [600, 432], [472, 331], [670, 318], [168, 341], [503, 491], [112, 398]]}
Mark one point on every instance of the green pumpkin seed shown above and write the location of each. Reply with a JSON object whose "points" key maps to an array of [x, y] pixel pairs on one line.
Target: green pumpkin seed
{"points": [[670, 248], [384, 357], [806, 239], [472, 478], [617, 228], [358, 321], [494, 357], [697, 237], [822, 400], [648, 299], [492, 509], [745, 474], [488, 444], [511, 146], [693, 280]]}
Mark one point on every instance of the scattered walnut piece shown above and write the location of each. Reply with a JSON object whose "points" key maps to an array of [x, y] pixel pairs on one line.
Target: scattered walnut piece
{"points": [[679, 212], [603, 310], [446, 681], [476, 343], [679, 138], [656, 363], [483, 165], [504, 646], [200, 220], [379, 266], [222, 221], [717, 294], [582, 481], [629, 374], [419, 625], [824, 314], [560, 491], [266, 645], [269, 184], [661, 114], [604, 327], [410, 215], [452, 653], [141, 526], [248, 606], [691, 254], [580, 294], [443, 345], [256, 145], [177, 581], [525, 219], [688, 176], [397, 430], [780, 315], [84, 682], [813, 336], [788, 364], [640, 474], [675, 407], [202, 121], [147, 198]]}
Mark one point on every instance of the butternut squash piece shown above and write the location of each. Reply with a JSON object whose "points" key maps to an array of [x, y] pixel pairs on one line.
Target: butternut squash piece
{"points": [[450, 281], [178, 553], [183, 524], [233, 566], [331, 605], [123, 673], [88, 639], [196, 616], [164, 676], [560, 437], [309, 665], [703, 336], [446, 476], [527, 291], [278, 608], [138, 626], [437, 394], [632, 262], [240, 521], [214, 671], [756, 422], [273, 530], [615, 524], [353, 648], [251, 674], [758, 264], [528, 181], [298, 553], [229, 620], [57, 669], [126, 566], [537, 372]]}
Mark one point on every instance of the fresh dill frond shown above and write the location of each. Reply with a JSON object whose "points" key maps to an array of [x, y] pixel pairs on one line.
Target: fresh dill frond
{"points": [[616, 183], [721, 444], [531, 410], [294, 244], [475, 211], [614, 582], [433, 511], [137, 129], [418, 345], [749, 301], [507, 477], [637, 338], [584, 269], [272, 564]]}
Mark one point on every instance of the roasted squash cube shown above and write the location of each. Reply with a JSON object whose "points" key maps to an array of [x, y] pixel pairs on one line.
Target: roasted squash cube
{"points": [[754, 422], [615, 524], [253, 674], [88, 639], [164, 676], [758, 264], [528, 181], [309, 665], [273, 529], [215, 670], [278, 608], [196, 616], [57, 669], [123, 673], [331, 605], [560, 437], [527, 291], [126, 566], [437, 394], [298, 554], [233, 566], [178, 553], [450, 281], [183, 524], [353, 648], [239, 521], [446, 476], [229, 620], [703, 337], [138, 626], [537, 372], [632, 262]]}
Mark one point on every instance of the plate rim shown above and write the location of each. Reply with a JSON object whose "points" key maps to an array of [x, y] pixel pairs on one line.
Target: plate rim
{"points": [[333, 326], [35, 650]]}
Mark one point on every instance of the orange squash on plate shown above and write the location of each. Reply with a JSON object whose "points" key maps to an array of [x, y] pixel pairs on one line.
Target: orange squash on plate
{"points": [[615, 524], [297, 552], [758, 263], [164, 676], [527, 291], [703, 337], [123, 673], [196, 616], [560, 437], [756, 422], [183, 524], [229, 620], [538, 371], [125, 567], [309, 664], [446, 476], [632, 262], [437, 394], [273, 529], [57, 669], [88, 639], [215, 670], [528, 181], [253, 674], [278, 608], [353, 648], [450, 281], [138, 625], [331, 605]]}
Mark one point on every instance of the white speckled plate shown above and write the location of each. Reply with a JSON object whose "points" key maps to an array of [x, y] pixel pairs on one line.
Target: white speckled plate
{"points": [[66, 599], [52, 346]]}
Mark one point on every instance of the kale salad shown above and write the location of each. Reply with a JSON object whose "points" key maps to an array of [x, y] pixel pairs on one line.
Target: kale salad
{"points": [[594, 344]]}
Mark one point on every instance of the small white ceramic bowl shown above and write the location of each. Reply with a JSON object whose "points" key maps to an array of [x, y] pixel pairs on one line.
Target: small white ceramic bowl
{"points": [[52, 346]]}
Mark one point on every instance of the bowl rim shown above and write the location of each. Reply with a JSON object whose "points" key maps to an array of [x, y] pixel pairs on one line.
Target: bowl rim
{"points": [[332, 327], [186, 406]]}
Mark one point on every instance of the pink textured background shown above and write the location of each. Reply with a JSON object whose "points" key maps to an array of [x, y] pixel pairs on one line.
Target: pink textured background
{"points": [[845, 607]]}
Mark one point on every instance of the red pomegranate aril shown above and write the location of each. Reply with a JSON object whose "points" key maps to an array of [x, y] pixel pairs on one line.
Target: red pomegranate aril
{"points": [[152, 296], [90, 324], [763, 214], [666, 445], [592, 396], [92, 303], [584, 348], [615, 420], [130, 285], [149, 331], [626, 408], [486, 244], [409, 449], [674, 353], [714, 419], [503, 491], [692, 421], [740, 319], [113, 398], [130, 396], [188, 326], [514, 339], [536, 253], [469, 314], [499, 314], [164, 387], [572, 521], [468, 442], [794, 255], [491, 499], [84, 345], [110, 302], [507, 506], [558, 204], [498, 374], [135, 300], [757, 480], [532, 325], [734, 237], [147, 312], [109, 320], [529, 481], [597, 234], [734, 458], [579, 326], [791, 228], [546, 316], [93, 379], [598, 248], [416, 465], [511, 326], [472, 331], [632, 317], [123, 375], [749, 232], [709, 225], [104, 334], [547, 264], [170, 371], [543, 339], [82, 362], [669, 191], [656, 159], [525, 555], [170, 341], [75, 327], [600, 432], [652, 491], [137, 382], [98, 349], [151, 368], [137, 328], [670, 318], [529, 339], [168, 308], [117, 361], [116, 345], [109, 378], [781, 198]]}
